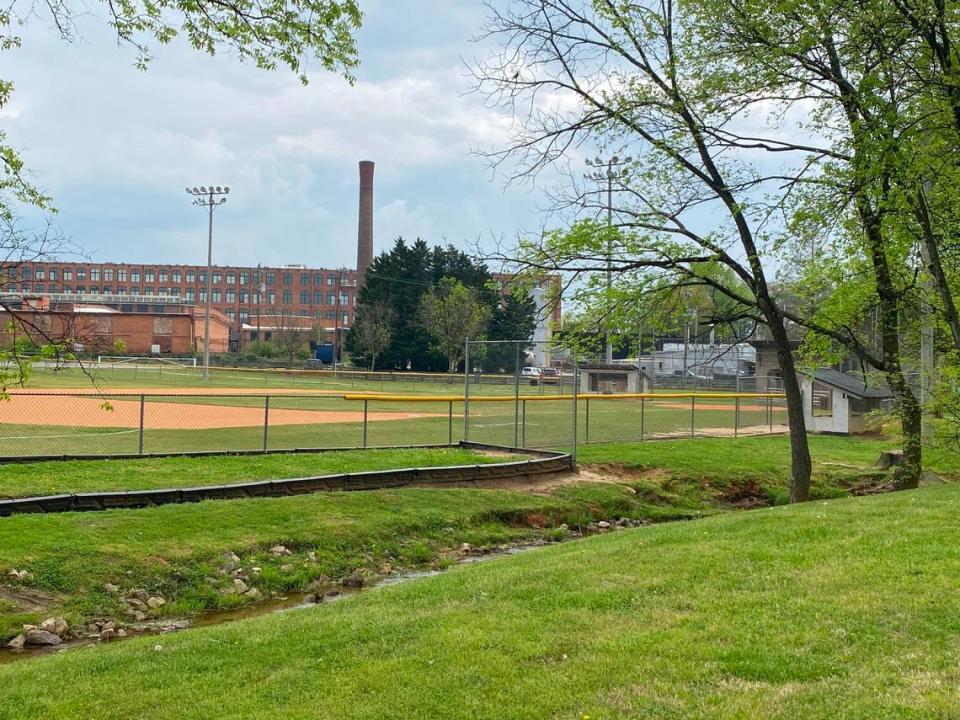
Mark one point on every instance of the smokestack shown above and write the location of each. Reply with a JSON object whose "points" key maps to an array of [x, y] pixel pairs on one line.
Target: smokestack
{"points": [[365, 224]]}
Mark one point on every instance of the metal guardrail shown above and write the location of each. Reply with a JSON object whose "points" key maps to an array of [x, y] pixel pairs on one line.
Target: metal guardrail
{"points": [[544, 463]]}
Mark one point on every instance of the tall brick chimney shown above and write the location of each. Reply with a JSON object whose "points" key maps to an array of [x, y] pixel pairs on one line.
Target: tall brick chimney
{"points": [[365, 224]]}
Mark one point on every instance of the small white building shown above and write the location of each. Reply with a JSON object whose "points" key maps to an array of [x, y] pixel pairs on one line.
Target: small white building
{"points": [[835, 403], [613, 378]]}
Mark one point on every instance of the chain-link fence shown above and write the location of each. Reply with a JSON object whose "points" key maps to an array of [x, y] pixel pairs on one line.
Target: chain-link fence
{"points": [[516, 394], [69, 424], [522, 394]]}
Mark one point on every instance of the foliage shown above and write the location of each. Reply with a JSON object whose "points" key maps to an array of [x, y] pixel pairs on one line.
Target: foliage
{"points": [[400, 277], [452, 314], [269, 33], [371, 331], [515, 318]]}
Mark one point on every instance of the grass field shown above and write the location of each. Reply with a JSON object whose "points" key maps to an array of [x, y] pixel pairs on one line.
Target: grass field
{"points": [[174, 549], [109, 424], [49, 478], [836, 609]]}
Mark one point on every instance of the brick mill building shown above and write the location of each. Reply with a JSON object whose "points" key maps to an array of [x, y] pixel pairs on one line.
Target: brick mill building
{"points": [[254, 302], [244, 295], [156, 328]]}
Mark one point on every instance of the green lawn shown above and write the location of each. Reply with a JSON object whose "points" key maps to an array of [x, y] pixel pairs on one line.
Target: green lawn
{"points": [[711, 466], [49, 478], [532, 423], [836, 609], [173, 549]]}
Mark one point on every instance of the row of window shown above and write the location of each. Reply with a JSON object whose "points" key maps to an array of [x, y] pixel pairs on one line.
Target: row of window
{"points": [[330, 315], [175, 276], [217, 295]]}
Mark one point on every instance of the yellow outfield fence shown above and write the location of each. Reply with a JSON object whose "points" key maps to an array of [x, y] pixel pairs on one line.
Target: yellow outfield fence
{"points": [[387, 397]]}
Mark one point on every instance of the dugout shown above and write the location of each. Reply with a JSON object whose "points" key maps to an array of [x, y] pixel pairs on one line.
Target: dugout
{"points": [[836, 403], [613, 378]]}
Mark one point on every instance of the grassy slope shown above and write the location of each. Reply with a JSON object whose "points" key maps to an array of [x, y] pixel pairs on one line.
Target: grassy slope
{"points": [[717, 463], [173, 549], [46, 478], [832, 609]]}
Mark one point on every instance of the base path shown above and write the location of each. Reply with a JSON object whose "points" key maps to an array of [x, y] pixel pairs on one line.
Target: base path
{"points": [[92, 412], [112, 392]]}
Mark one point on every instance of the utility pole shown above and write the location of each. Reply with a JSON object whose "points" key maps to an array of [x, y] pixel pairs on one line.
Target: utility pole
{"points": [[208, 197], [336, 321], [614, 171], [259, 292]]}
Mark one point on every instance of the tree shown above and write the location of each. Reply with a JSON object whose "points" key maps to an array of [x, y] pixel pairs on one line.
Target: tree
{"points": [[269, 33], [371, 331], [288, 335], [616, 74], [515, 318], [857, 63], [398, 279], [452, 314]]}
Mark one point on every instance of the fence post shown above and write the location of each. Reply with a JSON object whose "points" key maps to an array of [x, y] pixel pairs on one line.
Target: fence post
{"points": [[586, 427], [693, 412], [524, 426], [576, 385], [736, 414], [365, 424], [466, 391], [140, 446], [266, 419], [450, 423], [643, 407], [516, 396], [770, 412]]}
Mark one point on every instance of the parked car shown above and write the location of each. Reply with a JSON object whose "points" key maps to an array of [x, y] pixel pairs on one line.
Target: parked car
{"points": [[531, 372], [549, 376]]}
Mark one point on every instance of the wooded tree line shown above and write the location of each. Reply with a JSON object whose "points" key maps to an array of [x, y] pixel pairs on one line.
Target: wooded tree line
{"points": [[419, 305], [797, 157]]}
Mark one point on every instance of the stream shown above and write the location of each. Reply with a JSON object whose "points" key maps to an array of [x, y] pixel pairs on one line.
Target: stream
{"points": [[289, 602]]}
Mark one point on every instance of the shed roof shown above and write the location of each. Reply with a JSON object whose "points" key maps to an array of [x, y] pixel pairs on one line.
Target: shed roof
{"points": [[850, 384], [611, 367]]}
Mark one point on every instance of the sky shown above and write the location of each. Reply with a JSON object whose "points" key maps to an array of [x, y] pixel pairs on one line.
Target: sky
{"points": [[116, 146]]}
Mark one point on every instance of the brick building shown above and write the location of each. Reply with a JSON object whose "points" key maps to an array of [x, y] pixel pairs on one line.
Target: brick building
{"points": [[172, 329], [240, 293]]}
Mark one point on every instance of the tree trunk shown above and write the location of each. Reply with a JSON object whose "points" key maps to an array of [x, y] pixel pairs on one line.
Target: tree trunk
{"points": [[373, 362], [907, 474], [800, 464], [452, 364]]}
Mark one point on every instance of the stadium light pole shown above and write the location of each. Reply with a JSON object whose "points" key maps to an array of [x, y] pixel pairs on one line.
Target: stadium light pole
{"points": [[208, 197], [608, 170]]}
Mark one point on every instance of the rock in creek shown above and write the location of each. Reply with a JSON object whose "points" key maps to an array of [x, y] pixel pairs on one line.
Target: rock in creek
{"points": [[56, 625], [38, 637], [354, 580]]}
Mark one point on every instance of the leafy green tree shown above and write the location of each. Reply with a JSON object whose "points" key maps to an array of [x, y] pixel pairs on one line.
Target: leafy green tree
{"points": [[515, 318], [451, 314], [268, 33], [372, 331], [398, 279]]}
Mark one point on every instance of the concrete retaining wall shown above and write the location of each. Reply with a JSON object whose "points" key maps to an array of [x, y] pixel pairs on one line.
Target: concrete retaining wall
{"points": [[543, 463]]}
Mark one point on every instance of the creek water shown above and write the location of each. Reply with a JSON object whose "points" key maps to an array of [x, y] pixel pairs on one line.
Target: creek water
{"points": [[289, 602]]}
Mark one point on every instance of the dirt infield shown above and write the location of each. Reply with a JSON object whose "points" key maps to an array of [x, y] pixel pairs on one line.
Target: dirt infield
{"points": [[90, 412], [258, 392]]}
